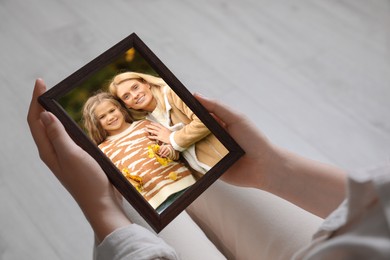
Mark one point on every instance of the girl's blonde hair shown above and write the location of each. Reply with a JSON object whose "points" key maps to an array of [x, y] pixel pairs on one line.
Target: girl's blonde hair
{"points": [[156, 84], [92, 123]]}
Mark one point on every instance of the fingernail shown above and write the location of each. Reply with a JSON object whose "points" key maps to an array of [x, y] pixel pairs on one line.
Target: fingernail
{"points": [[200, 96], [39, 81], [46, 118]]}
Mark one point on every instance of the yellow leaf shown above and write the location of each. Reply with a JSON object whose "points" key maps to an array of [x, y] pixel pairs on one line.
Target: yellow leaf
{"points": [[152, 152], [173, 176], [130, 55]]}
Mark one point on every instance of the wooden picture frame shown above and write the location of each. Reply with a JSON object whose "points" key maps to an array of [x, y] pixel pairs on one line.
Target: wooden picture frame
{"points": [[61, 101]]}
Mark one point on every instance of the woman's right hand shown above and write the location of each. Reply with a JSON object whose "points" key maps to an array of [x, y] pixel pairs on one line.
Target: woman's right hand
{"points": [[250, 170], [311, 185]]}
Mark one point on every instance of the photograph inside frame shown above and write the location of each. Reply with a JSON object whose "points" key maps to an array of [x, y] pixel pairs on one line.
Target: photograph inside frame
{"points": [[157, 144], [135, 118]]}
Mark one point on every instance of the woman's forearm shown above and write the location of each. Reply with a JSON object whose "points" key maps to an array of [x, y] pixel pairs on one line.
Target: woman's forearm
{"points": [[313, 186], [316, 187]]}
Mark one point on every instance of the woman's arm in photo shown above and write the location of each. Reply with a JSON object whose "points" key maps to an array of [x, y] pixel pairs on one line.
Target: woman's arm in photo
{"points": [[193, 130]]}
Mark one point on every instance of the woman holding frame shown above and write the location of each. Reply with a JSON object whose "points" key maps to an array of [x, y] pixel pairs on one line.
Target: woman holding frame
{"points": [[149, 96], [357, 229]]}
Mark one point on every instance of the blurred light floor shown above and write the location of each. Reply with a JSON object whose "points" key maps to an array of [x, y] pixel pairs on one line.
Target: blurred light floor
{"points": [[313, 75]]}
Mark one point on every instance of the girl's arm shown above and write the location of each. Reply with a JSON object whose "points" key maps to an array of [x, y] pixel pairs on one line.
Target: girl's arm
{"points": [[313, 186]]}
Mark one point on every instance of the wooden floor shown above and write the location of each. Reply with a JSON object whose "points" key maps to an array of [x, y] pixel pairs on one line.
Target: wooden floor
{"points": [[313, 75]]}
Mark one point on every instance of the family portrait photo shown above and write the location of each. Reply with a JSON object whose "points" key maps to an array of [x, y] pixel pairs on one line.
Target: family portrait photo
{"points": [[159, 146]]}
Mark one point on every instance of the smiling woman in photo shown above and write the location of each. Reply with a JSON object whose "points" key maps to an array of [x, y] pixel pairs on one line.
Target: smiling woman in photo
{"points": [[153, 169], [174, 123]]}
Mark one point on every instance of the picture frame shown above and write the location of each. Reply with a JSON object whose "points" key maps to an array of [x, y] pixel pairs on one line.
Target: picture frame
{"points": [[63, 100]]}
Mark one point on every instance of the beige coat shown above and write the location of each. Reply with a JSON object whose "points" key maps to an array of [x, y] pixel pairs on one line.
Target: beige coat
{"points": [[209, 150], [156, 180]]}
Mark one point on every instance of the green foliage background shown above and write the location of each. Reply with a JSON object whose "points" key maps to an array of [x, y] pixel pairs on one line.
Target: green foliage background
{"points": [[74, 101]]}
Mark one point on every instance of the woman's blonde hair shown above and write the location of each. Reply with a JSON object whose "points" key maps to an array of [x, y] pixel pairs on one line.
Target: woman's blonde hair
{"points": [[155, 83], [92, 123]]}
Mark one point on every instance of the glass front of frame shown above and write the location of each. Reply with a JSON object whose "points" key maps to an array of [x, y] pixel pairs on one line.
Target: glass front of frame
{"points": [[157, 144]]}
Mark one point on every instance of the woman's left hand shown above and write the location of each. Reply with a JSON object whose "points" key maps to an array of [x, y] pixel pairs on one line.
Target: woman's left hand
{"points": [[158, 132], [78, 172]]}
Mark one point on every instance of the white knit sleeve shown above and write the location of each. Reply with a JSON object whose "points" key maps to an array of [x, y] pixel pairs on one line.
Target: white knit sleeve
{"points": [[133, 242]]}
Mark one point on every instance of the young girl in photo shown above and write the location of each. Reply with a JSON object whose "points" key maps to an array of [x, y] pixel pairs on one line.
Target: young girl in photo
{"points": [[151, 168], [174, 123]]}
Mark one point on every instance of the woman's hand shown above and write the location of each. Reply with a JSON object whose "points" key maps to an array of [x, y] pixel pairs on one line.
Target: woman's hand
{"points": [[78, 172], [252, 168], [158, 132], [313, 186]]}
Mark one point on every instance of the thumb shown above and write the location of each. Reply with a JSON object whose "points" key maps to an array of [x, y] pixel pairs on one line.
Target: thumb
{"points": [[221, 111], [56, 133]]}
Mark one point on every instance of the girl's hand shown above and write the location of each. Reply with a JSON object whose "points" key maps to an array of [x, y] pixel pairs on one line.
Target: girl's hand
{"points": [[167, 151], [164, 151], [78, 172], [158, 132]]}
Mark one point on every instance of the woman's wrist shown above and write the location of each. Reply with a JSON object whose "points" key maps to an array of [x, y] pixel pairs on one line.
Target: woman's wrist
{"points": [[314, 186], [272, 168], [105, 215]]}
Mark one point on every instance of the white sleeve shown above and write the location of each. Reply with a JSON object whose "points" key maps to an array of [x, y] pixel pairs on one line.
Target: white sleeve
{"points": [[359, 228], [133, 242], [174, 144]]}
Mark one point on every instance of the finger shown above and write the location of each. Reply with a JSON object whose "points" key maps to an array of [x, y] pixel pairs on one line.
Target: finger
{"points": [[37, 129], [221, 111], [219, 121], [61, 142], [152, 137], [35, 108], [152, 132], [155, 124], [152, 127], [163, 153]]}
